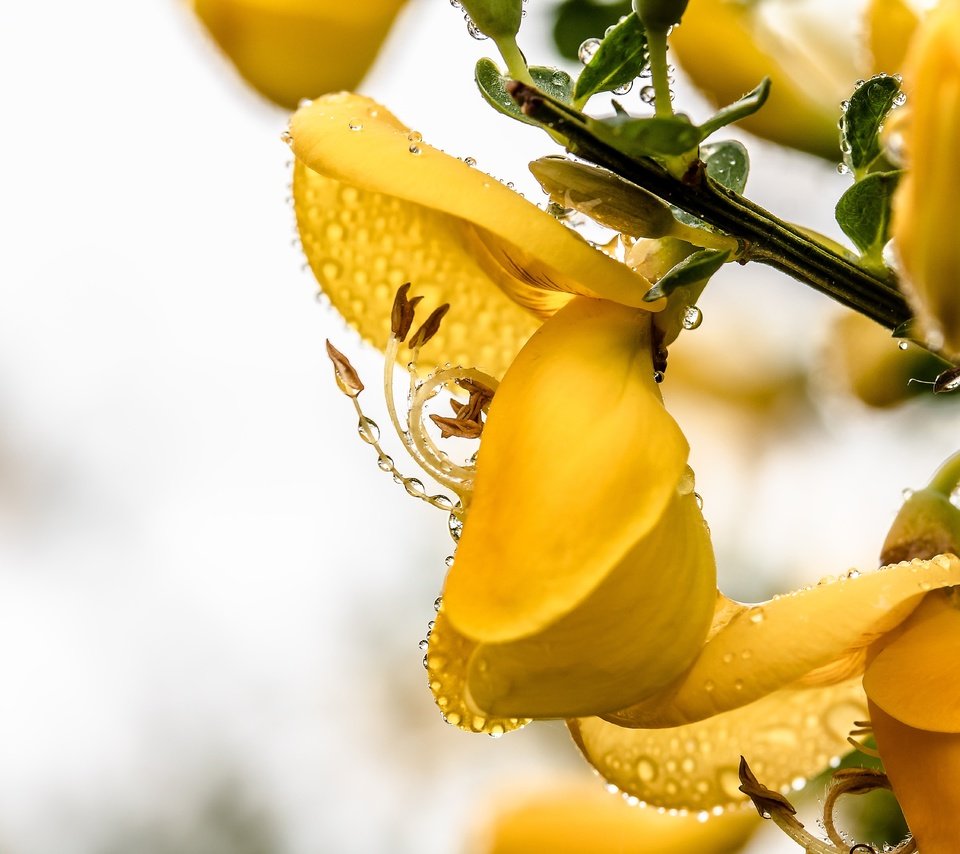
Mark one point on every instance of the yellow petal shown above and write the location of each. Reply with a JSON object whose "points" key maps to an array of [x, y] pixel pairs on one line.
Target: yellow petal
{"points": [[759, 649], [579, 555], [923, 768], [915, 678], [446, 656], [789, 735], [293, 49], [579, 817], [890, 25], [363, 245], [379, 155], [927, 208], [717, 46]]}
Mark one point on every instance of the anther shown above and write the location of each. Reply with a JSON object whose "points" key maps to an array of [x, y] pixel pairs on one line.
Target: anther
{"points": [[348, 381], [430, 327], [401, 316], [461, 429]]}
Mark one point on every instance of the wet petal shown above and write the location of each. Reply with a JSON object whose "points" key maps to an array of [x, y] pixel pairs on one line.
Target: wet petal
{"points": [[915, 677], [293, 49], [762, 648], [579, 557], [579, 817], [534, 251], [790, 735]]}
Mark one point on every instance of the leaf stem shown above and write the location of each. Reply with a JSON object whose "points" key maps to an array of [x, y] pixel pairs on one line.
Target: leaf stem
{"points": [[947, 478], [765, 237], [660, 72], [513, 57]]}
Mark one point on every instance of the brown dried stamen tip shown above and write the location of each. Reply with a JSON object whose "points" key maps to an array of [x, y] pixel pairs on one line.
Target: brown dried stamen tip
{"points": [[401, 316], [477, 389], [348, 380], [430, 327], [460, 428], [765, 800]]}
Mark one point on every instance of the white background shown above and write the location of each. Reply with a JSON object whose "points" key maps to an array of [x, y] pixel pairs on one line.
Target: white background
{"points": [[210, 597]]}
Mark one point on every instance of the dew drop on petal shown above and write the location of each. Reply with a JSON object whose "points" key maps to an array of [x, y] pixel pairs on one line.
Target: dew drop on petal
{"points": [[903, 345], [470, 161], [354, 125], [424, 644]]}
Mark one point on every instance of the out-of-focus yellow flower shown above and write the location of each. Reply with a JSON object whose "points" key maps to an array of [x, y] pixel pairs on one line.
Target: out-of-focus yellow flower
{"points": [[581, 818], [583, 542], [294, 49], [926, 205], [727, 47]]}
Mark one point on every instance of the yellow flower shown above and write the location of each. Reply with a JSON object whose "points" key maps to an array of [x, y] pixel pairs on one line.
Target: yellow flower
{"points": [[583, 539], [727, 47], [578, 817], [293, 49], [926, 206]]}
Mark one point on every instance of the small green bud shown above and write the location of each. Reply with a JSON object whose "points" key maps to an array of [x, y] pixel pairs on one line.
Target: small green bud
{"points": [[659, 15], [926, 526], [495, 18]]}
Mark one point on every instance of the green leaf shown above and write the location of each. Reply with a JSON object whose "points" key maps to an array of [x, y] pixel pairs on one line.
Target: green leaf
{"points": [[495, 18], [746, 106], [576, 20], [862, 118], [863, 212], [619, 59], [648, 137], [701, 265], [728, 163], [493, 86]]}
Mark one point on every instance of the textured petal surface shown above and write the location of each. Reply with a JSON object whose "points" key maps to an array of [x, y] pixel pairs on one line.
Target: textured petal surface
{"points": [[787, 736], [360, 144], [363, 245], [294, 49], [578, 555], [915, 677], [582, 818], [761, 648]]}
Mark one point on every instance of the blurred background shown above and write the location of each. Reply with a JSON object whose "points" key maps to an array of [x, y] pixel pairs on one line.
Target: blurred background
{"points": [[210, 597]]}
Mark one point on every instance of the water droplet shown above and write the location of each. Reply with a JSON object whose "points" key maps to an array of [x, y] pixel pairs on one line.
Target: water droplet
{"points": [[474, 30], [687, 481], [858, 84], [588, 49], [373, 112], [900, 99], [286, 137], [658, 376], [385, 463], [455, 4], [354, 125], [424, 644], [699, 499], [415, 136], [727, 657], [448, 560], [414, 149], [903, 345], [757, 616], [455, 525], [907, 493], [624, 89], [425, 665], [842, 168], [470, 161], [368, 430], [692, 317], [708, 686], [648, 94], [844, 105], [437, 603], [414, 487]]}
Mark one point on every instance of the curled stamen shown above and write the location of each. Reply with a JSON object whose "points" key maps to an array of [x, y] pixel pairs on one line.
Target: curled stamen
{"points": [[430, 327], [774, 806], [864, 728], [401, 316]]}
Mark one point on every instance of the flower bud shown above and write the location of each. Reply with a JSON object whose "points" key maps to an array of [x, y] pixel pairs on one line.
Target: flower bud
{"points": [[659, 14], [495, 18], [927, 205]]}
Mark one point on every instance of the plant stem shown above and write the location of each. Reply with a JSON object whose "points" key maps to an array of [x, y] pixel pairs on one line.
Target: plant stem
{"points": [[513, 57], [947, 478], [659, 71], [765, 237]]}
